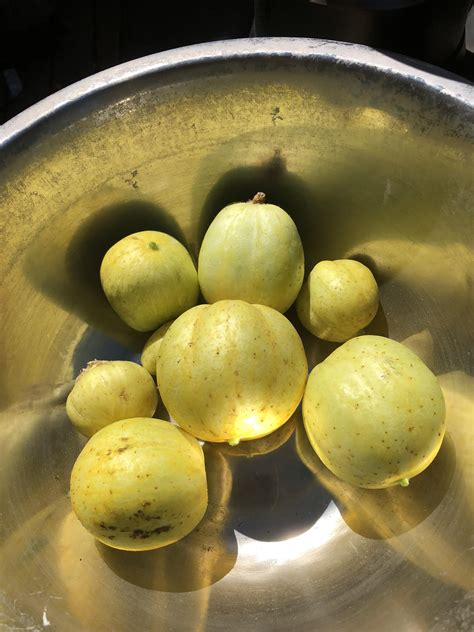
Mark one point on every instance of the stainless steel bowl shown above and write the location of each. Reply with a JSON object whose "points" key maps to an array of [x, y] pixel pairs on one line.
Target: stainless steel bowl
{"points": [[374, 159]]}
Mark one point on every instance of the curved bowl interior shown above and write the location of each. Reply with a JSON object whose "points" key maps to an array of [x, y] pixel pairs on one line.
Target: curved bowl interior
{"points": [[371, 163]]}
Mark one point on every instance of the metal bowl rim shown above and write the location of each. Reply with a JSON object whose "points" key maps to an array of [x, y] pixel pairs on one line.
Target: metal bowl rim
{"points": [[246, 48]]}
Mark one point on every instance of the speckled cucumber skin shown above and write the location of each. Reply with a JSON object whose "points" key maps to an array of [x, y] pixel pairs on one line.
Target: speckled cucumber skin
{"points": [[140, 484], [338, 299], [374, 413], [252, 252], [231, 371], [148, 279], [110, 390]]}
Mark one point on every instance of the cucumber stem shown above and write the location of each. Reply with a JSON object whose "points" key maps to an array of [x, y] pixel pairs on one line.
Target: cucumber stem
{"points": [[404, 482], [258, 198]]}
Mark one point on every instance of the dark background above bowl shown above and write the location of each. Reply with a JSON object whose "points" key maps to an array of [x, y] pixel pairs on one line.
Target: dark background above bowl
{"points": [[46, 45]]}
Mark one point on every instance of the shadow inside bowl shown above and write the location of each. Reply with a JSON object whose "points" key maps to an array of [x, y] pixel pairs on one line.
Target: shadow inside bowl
{"points": [[281, 187], [63, 262], [384, 513], [274, 496]]}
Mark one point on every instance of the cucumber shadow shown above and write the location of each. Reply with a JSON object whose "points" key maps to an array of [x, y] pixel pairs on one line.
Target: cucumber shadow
{"points": [[281, 187], [384, 513], [63, 261]]}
